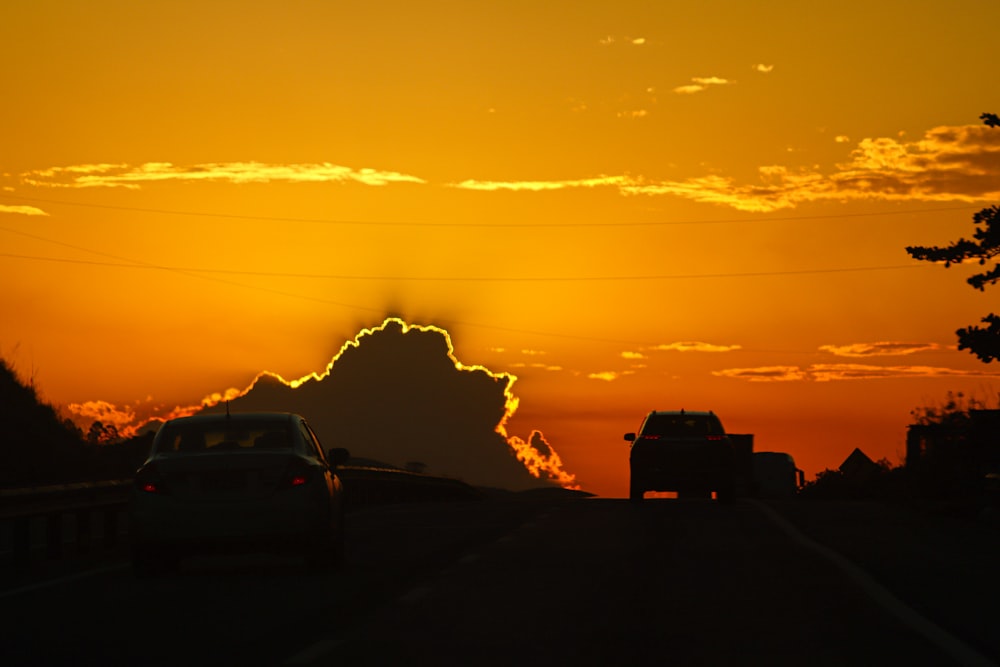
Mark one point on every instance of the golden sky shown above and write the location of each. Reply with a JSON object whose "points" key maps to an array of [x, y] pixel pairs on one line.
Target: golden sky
{"points": [[629, 206]]}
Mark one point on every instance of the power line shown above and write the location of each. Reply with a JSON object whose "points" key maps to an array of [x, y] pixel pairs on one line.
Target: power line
{"points": [[398, 278], [124, 262], [478, 225]]}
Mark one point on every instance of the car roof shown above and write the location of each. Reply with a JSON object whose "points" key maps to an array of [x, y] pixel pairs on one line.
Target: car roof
{"points": [[699, 413], [242, 417]]}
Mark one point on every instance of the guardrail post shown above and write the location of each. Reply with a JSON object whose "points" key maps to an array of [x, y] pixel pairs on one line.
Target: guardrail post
{"points": [[84, 532], [53, 535], [110, 527], [21, 541]]}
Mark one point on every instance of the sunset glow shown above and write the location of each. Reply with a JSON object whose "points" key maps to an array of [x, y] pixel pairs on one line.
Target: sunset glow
{"points": [[630, 206]]}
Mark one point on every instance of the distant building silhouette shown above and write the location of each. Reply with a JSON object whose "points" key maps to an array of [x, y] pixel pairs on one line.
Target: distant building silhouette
{"points": [[859, 467], [952, 457]]}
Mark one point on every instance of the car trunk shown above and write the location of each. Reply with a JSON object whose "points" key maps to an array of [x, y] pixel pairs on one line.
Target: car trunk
{"points": [[225, 477]]}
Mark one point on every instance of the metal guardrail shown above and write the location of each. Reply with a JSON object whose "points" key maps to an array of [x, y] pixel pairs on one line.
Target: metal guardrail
{"points": [[55, 522]]}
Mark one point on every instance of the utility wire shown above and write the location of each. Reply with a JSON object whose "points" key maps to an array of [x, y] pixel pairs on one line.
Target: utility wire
{"points": [[477, 225], [335, 276], [124, 262]]}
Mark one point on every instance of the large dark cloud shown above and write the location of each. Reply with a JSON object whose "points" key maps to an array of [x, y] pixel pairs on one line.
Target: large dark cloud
{"points": [[397, 394]]}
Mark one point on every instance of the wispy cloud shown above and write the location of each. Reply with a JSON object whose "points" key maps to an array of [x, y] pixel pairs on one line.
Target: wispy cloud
{"points": [[879, 349], [949, 164], [536, 366], [762, 68], [540, 186], [832, 372], [693, 346], [764, 373], [21, 210], [134, 177], [611, 40], [606, 376], [700, 83]]}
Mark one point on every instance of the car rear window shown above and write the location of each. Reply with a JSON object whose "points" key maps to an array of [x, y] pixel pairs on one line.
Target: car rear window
{"points": [[682, 426], [194, 438]]}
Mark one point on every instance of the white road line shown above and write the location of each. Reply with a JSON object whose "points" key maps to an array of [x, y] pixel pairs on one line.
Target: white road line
{"points": [[63, 580], [944, 640]]}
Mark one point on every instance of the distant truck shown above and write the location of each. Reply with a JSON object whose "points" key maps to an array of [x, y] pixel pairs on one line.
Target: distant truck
{"points": [[775, 475]]}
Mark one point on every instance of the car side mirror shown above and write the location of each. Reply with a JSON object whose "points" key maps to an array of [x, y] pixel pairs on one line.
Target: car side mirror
{"points": [[337, 456], [630, 437]]}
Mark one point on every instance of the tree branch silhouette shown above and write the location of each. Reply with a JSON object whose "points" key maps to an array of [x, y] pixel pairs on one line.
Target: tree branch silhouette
{"points": [[982, 341]]}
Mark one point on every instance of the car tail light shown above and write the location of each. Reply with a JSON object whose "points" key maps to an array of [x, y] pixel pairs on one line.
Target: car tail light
{"points": [[149, 480], [716, 438], [298, 474]]}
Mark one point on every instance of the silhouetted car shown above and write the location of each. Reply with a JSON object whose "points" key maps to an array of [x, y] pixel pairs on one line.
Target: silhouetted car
{"points": [[248, 482], [682, 451]]}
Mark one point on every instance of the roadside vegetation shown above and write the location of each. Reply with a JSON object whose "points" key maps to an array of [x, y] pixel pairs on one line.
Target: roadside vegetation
{"points": [[39, 448], [952, 463]]}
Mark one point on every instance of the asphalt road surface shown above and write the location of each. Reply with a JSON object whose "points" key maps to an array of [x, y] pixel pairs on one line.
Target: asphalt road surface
{"points": [[573, 582]]}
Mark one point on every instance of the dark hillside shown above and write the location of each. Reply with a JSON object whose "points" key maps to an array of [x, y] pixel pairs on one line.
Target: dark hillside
{"points": [[36, 446]]}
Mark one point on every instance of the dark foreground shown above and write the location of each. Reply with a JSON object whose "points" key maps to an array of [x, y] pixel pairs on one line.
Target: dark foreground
{"points": [[586, 581]]}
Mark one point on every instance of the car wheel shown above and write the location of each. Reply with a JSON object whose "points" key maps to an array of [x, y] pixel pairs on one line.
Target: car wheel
{"points": [[635, 491], [726, 494]]}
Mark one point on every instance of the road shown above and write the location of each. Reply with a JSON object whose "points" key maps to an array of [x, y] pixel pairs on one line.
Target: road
{"points": [[572, 582]]}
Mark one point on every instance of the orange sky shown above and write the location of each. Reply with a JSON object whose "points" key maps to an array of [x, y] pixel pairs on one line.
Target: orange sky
{"points": [[627, 205]]}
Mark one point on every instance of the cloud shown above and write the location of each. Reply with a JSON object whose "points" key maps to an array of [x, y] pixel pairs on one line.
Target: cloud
{"points": [[539, 366], [21, 210], [700, 83], [606, 376], [106, 413], [694, 346], [842, 139], [832, 372], [879, 349], [633, 355], [948, 164], [539, 186], [396, 393], [541, 459], [711, 81], [636, 113], [134, 177], [762, 68], [764, 373], [611, 40]]}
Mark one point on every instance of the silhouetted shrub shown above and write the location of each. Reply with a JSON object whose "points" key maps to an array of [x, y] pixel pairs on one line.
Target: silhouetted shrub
{"points": [[39, 448]]}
